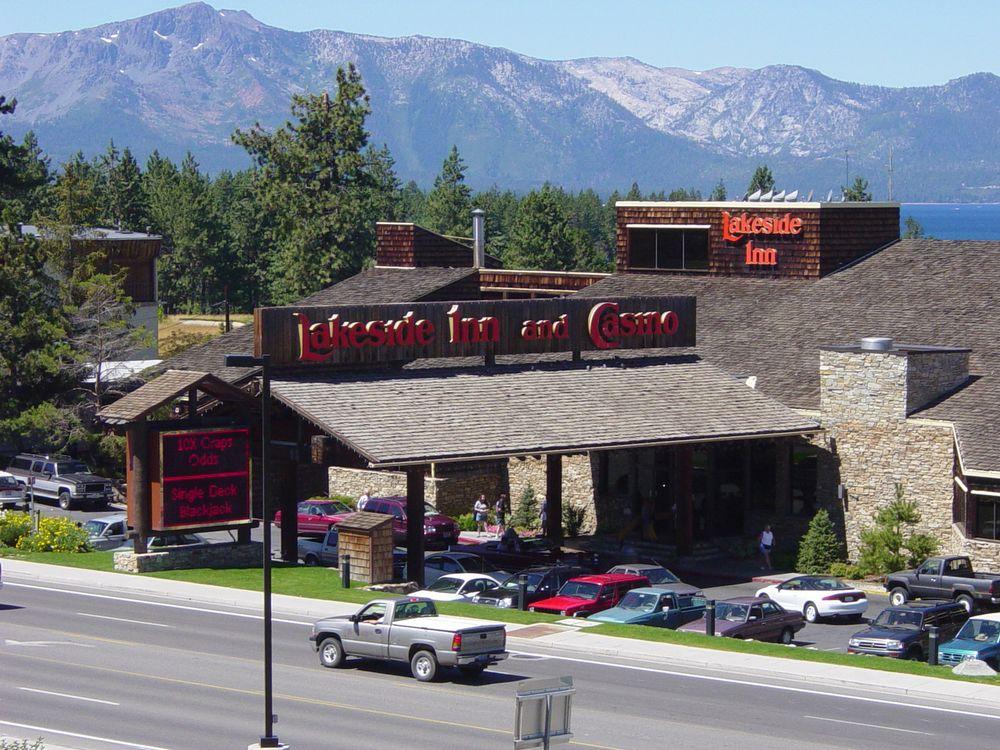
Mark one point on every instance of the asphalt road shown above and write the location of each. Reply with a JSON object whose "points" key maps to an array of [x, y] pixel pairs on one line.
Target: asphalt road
{"points": [[137, 672]]}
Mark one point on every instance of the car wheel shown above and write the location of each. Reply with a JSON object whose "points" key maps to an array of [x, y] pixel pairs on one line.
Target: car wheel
{"points": [[331, 653], [810, 612], [968, 602], [472, 670], [787, 635], [915, 654], [65, 501], [424, 666], [899, 596], [311, 561]]}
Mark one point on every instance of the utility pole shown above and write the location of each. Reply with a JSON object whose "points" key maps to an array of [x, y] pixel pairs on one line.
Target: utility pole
{"points": [[890, 171], [847, 169]]}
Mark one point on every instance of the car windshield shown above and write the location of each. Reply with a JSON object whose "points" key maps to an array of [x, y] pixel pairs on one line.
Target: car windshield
{"points": [[513, 582], [659, 575], [984, 631], [411, 609], [823, 584], [633, 600], [891, 618], [332, 509], [476, 564], [73, 467], [94, 528], [731, 612], [430, 510], [579, 590], [446, 585], [8, 483]]}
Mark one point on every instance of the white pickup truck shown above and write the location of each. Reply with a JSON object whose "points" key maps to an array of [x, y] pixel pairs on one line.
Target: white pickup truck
{"points": [[409, 629]]}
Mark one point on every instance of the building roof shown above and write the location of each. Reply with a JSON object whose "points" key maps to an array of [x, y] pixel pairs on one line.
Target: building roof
{"points": [[171, 385], [371, 286], [363, 521], [94, 233], [450, 414], [930, 292]]}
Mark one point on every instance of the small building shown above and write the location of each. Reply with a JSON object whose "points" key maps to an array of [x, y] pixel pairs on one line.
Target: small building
{"points": [[367, 538]]}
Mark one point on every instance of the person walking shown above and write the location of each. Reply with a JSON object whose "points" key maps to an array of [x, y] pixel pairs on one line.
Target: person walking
{"points": [[543, 515], [479, 510], [766, 544], [363, 500], [500, 511]]}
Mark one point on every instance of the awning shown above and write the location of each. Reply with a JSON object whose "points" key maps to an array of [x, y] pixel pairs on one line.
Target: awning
{"points": [[458, 414], [169, 386]]}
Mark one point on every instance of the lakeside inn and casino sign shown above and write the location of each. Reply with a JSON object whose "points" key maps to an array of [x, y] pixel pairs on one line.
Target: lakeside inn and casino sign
{"points": [[339, 335]]}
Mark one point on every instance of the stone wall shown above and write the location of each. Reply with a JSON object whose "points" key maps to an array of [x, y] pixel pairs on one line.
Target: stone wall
{"points": [[224, 555], [577, 483], [932, 374], [985, 554]]}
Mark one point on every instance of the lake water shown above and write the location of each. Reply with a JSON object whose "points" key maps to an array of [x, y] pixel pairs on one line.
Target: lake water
{"points": [[955, 221]]}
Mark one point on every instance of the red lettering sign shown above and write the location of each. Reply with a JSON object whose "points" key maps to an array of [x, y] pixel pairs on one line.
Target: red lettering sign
{"points": [[319, 341], [735, 228], [607, 327]]}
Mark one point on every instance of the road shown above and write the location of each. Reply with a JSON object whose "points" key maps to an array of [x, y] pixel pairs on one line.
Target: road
{"points": [[97, 671]]}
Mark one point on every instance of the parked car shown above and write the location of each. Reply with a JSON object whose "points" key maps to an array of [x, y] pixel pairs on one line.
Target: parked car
{"points": [[659, 606], [901, 632], [458, 587], [107, 532], [656, 574], [322, 552], [752, 617], [12, 492], [542, 582], [586, 595], [944, 578], [817, 596], [409, 629], [168, 539], [63, 479], [439, 529], [437, 564], [979, 638], [518, 553], [317, 516]]}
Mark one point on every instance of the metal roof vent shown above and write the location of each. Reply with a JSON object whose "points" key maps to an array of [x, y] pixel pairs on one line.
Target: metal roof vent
{"points": [[478, 238], [876, 344]]}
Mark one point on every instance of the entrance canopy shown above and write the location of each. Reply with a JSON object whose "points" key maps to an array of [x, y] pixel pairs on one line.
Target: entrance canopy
{"points": [[402, 417]]}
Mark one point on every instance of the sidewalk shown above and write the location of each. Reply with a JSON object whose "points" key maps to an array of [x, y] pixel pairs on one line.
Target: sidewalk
{"points": [[570, 641]]}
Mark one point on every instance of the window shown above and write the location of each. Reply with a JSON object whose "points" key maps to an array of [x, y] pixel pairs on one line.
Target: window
{"points": [[36, 467], [49, 469], [771, 609], [669, 248], [929, 568], [756, 613], [23, 464], [988, 519], [803, 479], [373, 613]]}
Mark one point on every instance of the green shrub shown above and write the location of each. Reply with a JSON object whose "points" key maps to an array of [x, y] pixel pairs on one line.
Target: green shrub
{"points": [[13, 526], [890, 544], [820, 546], [844, 570], [350, 502], [466, 522], [573, 517], [54, 535], [525, 515]]}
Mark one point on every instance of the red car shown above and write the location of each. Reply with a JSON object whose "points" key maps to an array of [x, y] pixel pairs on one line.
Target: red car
{"points": [[586, 595], [438, 528], [317, 516]]}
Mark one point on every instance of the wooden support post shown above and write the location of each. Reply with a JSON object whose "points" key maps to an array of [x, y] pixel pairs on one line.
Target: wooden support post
{"points": [[289, 524], [553, 498], [192, 404], [684, 472], [139, 504], [415, 524]]}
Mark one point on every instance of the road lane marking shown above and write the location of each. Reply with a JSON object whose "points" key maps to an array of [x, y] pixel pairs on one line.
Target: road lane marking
{"points": [[12, 642], [49, 730], [293, 698], [158, 604], [765, 685], [872, 726], [67, 695], [122, 619]]}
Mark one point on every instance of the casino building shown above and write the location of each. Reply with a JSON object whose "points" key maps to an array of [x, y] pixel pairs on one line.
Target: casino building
{"points": [[747, 363]]}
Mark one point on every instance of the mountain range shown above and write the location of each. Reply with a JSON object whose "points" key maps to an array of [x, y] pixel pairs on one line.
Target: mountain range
{"points": [[185, 78]]}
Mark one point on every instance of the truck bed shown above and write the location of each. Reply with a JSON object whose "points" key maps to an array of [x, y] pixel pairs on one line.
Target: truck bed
{"points": [[446, 623]]}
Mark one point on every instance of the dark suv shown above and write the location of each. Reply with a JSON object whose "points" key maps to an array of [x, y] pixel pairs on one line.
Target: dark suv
{"points": [[902, 632], [61, 478], [543, 581]]}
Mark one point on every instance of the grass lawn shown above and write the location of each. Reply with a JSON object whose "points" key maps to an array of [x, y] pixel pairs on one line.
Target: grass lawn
{"points": [[324, 583]]}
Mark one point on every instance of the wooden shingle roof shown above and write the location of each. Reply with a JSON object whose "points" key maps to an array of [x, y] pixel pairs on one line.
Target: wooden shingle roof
{"points": [[452, 414], [169, 386]]}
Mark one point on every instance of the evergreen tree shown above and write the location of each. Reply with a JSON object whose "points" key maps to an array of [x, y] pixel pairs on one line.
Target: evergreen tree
{"points": [[412, 203], [858, 191], [762, 180], [315, 178], [820, 547], [77, 203], [914, 229], [541, 237], [385, 190], [245, 251], [633, 194], [500, 207], [719, 191], [120, 187], [449, 204], [680, 194], [24, 174]]}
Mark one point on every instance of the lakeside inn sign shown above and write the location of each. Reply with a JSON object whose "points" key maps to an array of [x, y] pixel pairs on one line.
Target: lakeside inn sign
{"points": [[337, 335]]}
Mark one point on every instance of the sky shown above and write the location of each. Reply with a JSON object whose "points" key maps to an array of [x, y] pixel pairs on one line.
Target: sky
{"points": [[886, 42]]}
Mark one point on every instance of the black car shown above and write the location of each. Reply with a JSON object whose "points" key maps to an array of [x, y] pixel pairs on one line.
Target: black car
{"points": [[543, 581], [902, 632]]}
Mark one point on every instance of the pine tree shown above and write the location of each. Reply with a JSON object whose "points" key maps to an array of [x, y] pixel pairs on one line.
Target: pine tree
{"points": [[314, 176], [719, 191], [541, 237], [914, 229], [820, 547], [633, 194], [762, 180], [77, 203], [449, 204], [412, 203], [858, 191], [120, 188]]}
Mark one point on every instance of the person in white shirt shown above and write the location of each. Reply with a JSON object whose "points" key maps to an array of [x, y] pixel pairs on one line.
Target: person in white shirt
{"points": [[480, 509], [363, 500], [766, 543]]}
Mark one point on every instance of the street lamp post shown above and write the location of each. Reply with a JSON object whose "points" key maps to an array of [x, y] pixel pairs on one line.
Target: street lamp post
{"points": [[269, 739]]}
